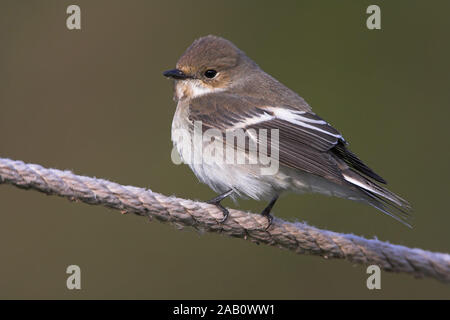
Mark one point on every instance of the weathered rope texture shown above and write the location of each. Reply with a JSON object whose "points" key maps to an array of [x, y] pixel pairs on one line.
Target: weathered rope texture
{"points": [[298, 237]]}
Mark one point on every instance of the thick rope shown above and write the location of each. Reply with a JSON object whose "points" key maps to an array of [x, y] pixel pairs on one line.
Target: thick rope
{"points": [[298, 237]]}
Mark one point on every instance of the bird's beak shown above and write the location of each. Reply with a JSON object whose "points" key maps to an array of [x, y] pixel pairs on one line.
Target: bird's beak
{"points": [[175, 74]]}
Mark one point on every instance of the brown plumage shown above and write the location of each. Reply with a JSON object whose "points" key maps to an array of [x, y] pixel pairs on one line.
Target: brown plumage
{"points": [[218, 85]]}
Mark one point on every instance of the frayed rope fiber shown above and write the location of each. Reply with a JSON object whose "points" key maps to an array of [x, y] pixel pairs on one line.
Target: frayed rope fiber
{"points": [[298, 237]]}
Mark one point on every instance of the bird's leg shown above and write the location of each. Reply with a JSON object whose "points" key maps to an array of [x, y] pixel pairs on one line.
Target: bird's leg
{"points": [[216, 201], [266, 211]]}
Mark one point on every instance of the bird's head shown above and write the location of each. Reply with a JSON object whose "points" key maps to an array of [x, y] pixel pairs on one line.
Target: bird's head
{"points": [[209, 65]]}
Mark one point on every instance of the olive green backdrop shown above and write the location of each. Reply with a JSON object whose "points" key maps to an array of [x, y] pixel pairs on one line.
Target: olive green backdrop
{"points": [[94, 101]]}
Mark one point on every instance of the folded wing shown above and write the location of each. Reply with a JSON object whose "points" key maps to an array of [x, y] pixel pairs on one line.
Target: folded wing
{"points": [[306, 142]]}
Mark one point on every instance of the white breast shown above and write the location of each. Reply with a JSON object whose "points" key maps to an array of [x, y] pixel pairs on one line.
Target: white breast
{"points": [[182, 126]]}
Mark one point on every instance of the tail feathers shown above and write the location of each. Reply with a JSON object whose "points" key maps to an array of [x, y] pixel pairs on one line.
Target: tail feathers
{"points": [[398, 213], [352, 160], [381, 198]]}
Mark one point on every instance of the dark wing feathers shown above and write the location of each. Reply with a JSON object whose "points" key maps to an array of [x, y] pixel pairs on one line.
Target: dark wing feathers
{"points": [[295, 152], [299, 147], [302, 147], [316, 140], [306, 142], [342, 152], [224, 111]]}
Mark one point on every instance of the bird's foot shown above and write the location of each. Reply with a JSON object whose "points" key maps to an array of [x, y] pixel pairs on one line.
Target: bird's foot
{"points": [[269, 218], [266, 212], [224, 210], [216, 201]]}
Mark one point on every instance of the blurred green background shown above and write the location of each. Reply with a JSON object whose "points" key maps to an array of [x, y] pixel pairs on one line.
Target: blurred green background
{"points": [[94, 101]]}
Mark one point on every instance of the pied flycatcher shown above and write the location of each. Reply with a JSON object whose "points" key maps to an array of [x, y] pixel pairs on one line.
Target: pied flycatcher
{"points": [[217, 85]]}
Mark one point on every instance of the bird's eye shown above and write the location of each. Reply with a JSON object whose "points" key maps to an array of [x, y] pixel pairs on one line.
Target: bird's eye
{"points": [[210, 73]]}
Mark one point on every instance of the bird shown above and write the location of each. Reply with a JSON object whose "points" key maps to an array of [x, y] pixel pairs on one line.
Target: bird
{"points": [[217, 85]]}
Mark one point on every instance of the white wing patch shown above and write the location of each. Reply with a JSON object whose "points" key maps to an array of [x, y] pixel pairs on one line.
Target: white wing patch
{"points": [[253, 120], [314, 127], [296, 117]]}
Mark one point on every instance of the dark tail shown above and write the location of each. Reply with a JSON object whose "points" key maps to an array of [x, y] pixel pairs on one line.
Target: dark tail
{"points": [[381, 198]]}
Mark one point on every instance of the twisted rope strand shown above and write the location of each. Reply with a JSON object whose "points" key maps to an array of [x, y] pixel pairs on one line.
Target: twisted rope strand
{"points": [[298, 237]]}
